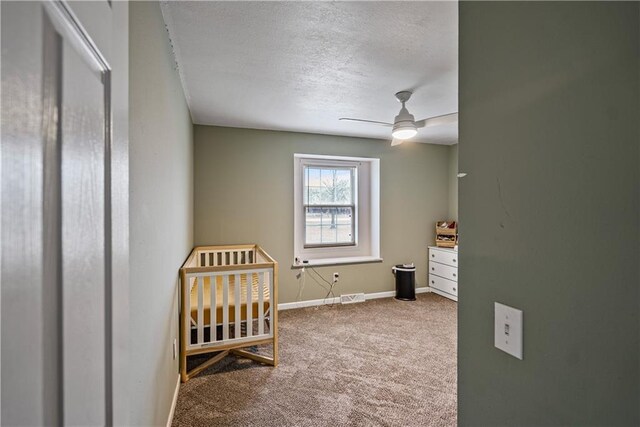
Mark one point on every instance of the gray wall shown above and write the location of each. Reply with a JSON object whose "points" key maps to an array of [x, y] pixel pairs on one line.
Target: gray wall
{"points": [[161, 211], [244, 194], [453, 182], [549, 211]]}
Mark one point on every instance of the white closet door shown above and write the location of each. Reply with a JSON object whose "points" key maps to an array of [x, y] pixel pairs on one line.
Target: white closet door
{"points": [[57, 308]]}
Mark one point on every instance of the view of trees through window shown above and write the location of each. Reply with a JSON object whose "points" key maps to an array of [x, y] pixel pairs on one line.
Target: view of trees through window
{"points": [[329, 205]]}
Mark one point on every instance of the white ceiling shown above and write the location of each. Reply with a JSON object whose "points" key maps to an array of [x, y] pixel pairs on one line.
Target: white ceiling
{"points": [[299, 66]]}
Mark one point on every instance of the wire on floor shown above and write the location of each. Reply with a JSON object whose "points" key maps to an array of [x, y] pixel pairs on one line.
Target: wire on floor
{"points": [[329, 289]]}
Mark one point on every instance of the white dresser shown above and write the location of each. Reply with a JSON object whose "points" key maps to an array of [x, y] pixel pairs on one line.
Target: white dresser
{"points": [[443, 272]]}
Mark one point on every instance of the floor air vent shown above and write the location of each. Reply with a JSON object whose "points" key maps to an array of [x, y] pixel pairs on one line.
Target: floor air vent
{"points": [[351, 298]]}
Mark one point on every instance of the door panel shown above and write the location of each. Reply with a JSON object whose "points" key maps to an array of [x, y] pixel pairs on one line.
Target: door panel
{"points": [[83, 238], [56, 214], [24, 345]]}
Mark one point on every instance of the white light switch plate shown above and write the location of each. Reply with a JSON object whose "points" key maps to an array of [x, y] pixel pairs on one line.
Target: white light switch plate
{"points": [[508, 329]]}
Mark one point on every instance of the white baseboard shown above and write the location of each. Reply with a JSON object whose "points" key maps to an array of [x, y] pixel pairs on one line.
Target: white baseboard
{"points": [[336, 300], [173, 403]]}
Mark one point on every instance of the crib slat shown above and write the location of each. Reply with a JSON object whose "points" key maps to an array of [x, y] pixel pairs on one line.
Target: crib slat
{"points": [[249, 304], [260, 303], [238, 304], [213, 309], [225, 307], [200, 310], [187, 323], [271, 307]]}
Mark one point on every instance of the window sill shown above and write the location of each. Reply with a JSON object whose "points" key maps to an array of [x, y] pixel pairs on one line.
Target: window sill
{"points": [[338, 261]]}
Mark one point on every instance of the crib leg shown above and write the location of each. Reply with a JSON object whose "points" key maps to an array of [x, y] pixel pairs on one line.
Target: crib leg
{"points": [[183, 368], [275, 347], [215, 359], [253, 356]]}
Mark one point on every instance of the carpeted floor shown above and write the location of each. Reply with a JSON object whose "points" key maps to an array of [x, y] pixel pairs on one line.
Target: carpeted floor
{"points": [[379, 363]]}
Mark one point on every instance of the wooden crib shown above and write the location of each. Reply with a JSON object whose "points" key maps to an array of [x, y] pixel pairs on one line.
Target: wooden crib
{"points": [[229, 300]]}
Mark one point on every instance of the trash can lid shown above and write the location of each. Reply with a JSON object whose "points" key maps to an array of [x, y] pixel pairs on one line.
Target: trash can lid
{"points": [[405, 267]]}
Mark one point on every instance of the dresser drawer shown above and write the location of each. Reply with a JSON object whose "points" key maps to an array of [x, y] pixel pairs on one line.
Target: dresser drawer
{"points": [[442, 270], [444, 285], [444, 257]]}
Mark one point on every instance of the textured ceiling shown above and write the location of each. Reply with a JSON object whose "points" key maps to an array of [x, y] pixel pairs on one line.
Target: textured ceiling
{"points": [[299, 66]]}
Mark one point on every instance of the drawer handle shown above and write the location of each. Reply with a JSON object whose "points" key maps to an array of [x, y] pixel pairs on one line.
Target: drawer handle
{"points": [[454, 260], [433, 256], [454, 289], [432, 269], [433, 282], [454, 274]]}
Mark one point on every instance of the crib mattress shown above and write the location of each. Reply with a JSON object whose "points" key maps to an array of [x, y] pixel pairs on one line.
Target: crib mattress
{"points": [[232, 303]]}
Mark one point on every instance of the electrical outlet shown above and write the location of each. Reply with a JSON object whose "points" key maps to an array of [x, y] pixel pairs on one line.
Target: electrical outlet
{"points": [[175, 348], [336, 277]]}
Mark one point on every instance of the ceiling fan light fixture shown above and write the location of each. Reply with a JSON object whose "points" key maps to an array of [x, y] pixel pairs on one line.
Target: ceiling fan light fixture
{"points": [[405, 125], [404, 130]]}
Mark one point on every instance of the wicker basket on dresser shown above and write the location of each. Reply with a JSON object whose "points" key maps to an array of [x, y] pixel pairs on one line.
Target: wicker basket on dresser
{"points": [[446, 237]]}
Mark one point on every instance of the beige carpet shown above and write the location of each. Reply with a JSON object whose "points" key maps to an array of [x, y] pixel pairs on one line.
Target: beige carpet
{"points": [[379, 363]]}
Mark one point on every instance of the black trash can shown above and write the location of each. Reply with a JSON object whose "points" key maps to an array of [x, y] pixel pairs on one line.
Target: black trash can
{"points": [[405, 281]]}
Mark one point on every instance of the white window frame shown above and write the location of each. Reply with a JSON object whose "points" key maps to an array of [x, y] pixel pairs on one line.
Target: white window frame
{"points": [[351, 166], [367, 208]]}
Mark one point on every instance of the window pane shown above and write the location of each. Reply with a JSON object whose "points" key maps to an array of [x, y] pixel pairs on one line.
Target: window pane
{"points": [[342, 187], [312, 186], [328, 186], [344, 233], [329, 225], [329, 234], [315, 195], [313, 221]]}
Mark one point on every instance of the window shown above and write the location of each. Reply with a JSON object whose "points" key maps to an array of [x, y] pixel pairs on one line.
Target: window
{"points": [[336, 218], [329, 206]]}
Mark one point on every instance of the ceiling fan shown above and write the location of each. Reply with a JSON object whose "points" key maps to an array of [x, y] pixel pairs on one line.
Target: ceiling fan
{"points": [[404, 125]]}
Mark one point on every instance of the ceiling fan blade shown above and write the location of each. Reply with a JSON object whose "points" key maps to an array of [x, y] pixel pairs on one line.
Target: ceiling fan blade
{"points": [[445, 119], [366, 121], [396, 141]]}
